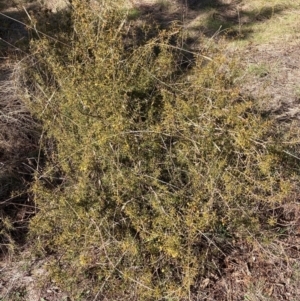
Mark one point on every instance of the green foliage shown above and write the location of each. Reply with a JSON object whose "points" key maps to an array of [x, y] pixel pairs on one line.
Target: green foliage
{"points": [[152, 162]]}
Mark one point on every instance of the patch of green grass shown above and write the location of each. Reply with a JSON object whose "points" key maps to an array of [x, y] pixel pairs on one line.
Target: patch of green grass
{"points": [[259, 70], [133, 14], [283, 27]]}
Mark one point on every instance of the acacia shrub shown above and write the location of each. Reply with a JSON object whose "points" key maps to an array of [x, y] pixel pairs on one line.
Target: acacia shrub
{"points": [[149, 165]]}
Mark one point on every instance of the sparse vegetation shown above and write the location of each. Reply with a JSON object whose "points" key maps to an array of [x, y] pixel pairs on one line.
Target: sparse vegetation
{"points": [[152, 164]]}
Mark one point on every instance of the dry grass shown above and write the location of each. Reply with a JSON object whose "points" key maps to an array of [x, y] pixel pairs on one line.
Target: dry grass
{"points": [[19, 134], [18, 144], [17, 126]]}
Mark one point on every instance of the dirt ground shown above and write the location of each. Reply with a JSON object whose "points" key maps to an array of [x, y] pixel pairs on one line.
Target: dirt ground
{"points": [[274, 77], [271, 73]]}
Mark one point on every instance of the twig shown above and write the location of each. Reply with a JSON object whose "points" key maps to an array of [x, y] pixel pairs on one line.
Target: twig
{"points": [[30, 27]]}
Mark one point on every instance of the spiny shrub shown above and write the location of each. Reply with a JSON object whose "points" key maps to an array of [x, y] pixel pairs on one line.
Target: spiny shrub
{"points": [[149, 162]]}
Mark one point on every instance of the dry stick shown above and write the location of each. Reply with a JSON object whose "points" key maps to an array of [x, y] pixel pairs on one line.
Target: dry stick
{"points": [[216, 33], [30, 27], [165, 84], [239, 18], [119, 29], [187, 51], [288, 153], [29, 17], [19, 49], [13, 197], [211, 241]]}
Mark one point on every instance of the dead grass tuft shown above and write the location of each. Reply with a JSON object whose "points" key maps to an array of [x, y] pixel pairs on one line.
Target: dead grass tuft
{"points": [[18, 148]]}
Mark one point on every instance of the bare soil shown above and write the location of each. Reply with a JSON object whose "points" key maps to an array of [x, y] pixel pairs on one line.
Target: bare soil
{"points": [[272, 74]]}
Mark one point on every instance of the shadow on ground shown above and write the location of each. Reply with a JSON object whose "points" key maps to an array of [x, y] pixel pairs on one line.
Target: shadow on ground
{"points": [[19, 132], [20, 23], [229, 19]]}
